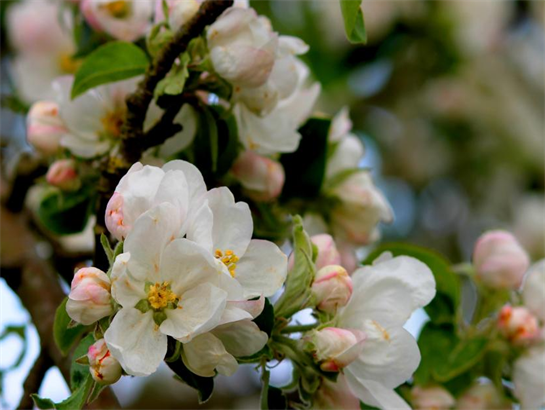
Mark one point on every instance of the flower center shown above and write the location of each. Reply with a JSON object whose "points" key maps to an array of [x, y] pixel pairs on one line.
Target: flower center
{"points": [[67, 64], [112, 122], [117, 9], [229, 259], [160, 296]]}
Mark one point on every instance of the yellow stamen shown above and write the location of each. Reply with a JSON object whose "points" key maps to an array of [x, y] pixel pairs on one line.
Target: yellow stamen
{"points": [[117, 9], [112, 122], [229, 259], [160, 295], [67, 64]]}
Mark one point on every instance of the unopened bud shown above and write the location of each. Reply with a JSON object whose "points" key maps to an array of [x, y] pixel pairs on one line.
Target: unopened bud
{"points": [[499, 260], [332, 287], [518, 325], [45, 127], [335, 348], [327, 251], [431, 398], [89, 299], [262, 177], [63, 175], [104, 368], [114, 217]]}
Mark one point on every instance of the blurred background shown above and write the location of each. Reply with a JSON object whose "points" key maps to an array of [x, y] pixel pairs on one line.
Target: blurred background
{"points": [[449, 99]]}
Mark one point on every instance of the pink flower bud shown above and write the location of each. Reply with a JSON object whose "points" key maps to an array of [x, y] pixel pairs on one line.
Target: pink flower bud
{"points": [[332, 287], [518, 325], [104, 368], [499, 260], [114, 217], [63, 175], [327, 251], [45, 127], [335, 348], [431, 398], [89, 299], [482, 396], [262, 177]]}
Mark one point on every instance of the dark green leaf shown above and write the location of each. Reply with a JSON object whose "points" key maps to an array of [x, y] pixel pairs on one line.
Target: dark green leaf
{"points": [[464, 356], [65, 213], [228, 145], [75, 402], [354, 24], [265, 321], [364, 406], [206, 142], [444, 306], [64, 336], [297, 289], [203, 385], [42, 403], [114, 61], [79, 373], [308, 162], [276, 399]]}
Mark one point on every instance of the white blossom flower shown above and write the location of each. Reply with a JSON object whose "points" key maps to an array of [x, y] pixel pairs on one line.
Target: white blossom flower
{"points": [[126, 20], [385, 295], [166, 286], [242, 47], [44, 48], [528, 378], [277, 131], [224, 228], [177, 182], [361, 207]]}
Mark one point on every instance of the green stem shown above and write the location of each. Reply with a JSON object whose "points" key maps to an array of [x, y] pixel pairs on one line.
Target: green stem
{"points": [[299, 328], [265, 389]]}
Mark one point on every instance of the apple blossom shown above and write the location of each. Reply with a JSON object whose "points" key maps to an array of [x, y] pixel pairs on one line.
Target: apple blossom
{"points": [[166, 287], [63, 175], [126, 20], [332, 288], [360, 208], [327, 251], [334, 348], [533, 290], [518, 325], [45, 127], [242, 47], [335, 396], [89, 299], [277, 131], [482, 396], [262, 177], [177, 182], [431, 398], [528, 378], [500, 262], [224, 229], [104, 368], [179, 11], [44, 48], [385, 295]]}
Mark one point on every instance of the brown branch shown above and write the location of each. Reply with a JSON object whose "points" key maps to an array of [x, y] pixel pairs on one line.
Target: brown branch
{"points": [[38, 288], [134, 142], [34, 380]]}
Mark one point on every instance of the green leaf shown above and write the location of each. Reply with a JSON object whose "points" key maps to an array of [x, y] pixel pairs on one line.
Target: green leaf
{"points": [[65, 213], [297, 290], [354, 24], [75, 402], [444, 306], [308, 162], [42, 403], [114, 61], [79, 373], [107, 248], [174, 82], [463, 357], [228, 144], [64, 336], [206, 142], [364, 406], [203, 385]]}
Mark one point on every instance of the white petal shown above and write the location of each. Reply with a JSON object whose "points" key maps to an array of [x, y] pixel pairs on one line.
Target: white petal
{"points": [[347, 155], [126, 290], [389, 356], [199, 228], [533, 291], [175, 190], [199, 311], [388, 292], [206, 353], [136, 342], [374, 393], [528, 376], [150, 234], [262, 270], [241, 338], [197, 187], [233, 224]]}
